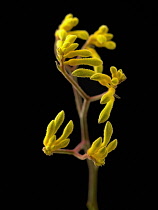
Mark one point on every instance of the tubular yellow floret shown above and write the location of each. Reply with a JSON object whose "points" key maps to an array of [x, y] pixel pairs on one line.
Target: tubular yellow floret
{"points": [[112, 145], [70, 38], [67, 130], [103, 29], [110, 45], [82, 34], [69, 22], [107, 96], [103, 79], [71, 47], [113, 71], [84, 61], [95, 146], [105, 113], [115, 81], [108, 131], [101, 39], [83, 72], [62, 34], [82, 53]]}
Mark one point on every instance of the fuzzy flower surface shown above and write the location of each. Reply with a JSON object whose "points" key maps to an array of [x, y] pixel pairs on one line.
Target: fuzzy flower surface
{"points": [[101, 147], [51, 142]]}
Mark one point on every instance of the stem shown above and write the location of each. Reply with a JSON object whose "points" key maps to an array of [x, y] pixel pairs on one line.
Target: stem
{"points": [[82, 108], [92, 187], [93, 170], [84, 123], [85, 143], [96, 97], [71, 152]]}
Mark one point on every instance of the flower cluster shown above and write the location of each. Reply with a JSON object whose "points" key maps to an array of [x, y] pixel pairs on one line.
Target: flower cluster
{"points": [[117, 76], [101, 38], [69, 58], [66, 46], [67, 24], [50, 141], [100, 148]]}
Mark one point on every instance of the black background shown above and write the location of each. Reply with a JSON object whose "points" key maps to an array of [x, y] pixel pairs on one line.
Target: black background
{"points": [[33, 92]]}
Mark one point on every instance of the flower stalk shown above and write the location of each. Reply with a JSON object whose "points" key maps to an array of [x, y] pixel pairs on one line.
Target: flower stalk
{"points": [[69, 58]]}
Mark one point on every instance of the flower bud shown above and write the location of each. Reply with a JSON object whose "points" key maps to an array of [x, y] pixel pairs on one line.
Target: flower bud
{"points": [[82, 53], [84, 61], [107, 96], [105, 113], [95, 146], [83, 72], [110, 45], [112, 145]]}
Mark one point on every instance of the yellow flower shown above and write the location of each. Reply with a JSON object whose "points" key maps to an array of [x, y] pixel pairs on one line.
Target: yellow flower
{"points": [[66, 49], [50, 141], [100, 148], [117, 76], [101, 38], [67, 24]]}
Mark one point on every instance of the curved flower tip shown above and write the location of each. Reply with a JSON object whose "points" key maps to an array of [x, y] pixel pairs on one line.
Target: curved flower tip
{"points": [[51, 143], [100, 148], [69, 22]]}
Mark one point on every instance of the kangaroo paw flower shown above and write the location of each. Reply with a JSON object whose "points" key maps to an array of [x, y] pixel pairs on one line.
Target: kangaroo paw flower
{"points": [[100, 148], [51, 143]]}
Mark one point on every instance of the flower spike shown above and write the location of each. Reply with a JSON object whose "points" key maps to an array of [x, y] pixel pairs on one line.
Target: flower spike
{"points": [[50, 142], [100, 148]]}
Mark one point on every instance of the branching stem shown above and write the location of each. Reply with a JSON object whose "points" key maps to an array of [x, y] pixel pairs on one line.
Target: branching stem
{"points": [[82, 104]]}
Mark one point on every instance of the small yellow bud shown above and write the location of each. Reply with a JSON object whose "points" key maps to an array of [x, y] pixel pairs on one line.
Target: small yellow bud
{"points": [[70, 38], [75, 21], [113, 71], [109, 36], [68, 16], [71, 47], [95, 146], [82, 53], [83, 72], [108, 131], [101, 39], [107, 96], [105, 113], [59, 119], [103, 29], [59, 43], [119, 74], [65, 45], [49, 132], [104, 79], [62, 34], [82, 34], [110, 45], [112, 145], [115, 81], [84, 61], [67, 130]]}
